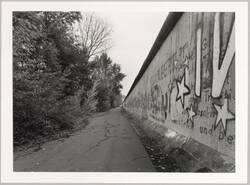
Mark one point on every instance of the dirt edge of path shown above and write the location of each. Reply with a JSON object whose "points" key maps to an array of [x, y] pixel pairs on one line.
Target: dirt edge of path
{"points": [[159, 158]]}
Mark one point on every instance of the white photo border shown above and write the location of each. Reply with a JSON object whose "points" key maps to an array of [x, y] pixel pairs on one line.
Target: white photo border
{"points": [[241, 129]]}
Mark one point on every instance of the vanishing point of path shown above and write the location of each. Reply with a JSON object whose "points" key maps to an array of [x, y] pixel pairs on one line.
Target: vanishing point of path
{"points": [[107, 144]]}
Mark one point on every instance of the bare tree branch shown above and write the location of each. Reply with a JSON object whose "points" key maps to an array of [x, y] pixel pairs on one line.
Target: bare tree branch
{"points": [[94, 34]]}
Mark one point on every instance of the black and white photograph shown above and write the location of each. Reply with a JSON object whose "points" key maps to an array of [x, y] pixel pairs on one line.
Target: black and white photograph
{"points": [[135, 91]]}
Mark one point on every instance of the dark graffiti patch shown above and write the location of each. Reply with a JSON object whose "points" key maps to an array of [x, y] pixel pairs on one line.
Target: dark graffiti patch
{"points": [[159, 103]]}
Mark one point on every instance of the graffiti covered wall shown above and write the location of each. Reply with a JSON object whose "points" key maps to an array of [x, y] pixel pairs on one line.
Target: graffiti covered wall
{"points": [[189, 86]]}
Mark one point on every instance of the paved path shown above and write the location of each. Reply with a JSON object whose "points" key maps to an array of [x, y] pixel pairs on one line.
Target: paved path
{"points": [[107, 144]]}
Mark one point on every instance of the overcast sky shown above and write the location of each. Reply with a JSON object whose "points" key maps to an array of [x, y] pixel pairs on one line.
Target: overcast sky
{"points": [[132, 38]]}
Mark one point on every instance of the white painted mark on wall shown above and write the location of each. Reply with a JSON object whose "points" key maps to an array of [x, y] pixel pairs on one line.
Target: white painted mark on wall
{"points": [[182, 90], [223, 115], [186, 64], [191, 113], [198, 64], [220, 72]]}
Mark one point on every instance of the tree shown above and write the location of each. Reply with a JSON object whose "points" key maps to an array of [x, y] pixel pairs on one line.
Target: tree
{"points": [[110, 77], [54, 81], [47, 73], [93, 34]]}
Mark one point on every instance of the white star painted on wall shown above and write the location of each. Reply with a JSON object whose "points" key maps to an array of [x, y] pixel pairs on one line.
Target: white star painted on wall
{"points": [[223, 115], [191, 113], [182, 90]]}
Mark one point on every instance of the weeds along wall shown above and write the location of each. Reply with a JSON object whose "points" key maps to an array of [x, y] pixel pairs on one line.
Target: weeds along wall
{"points": [[189, 85]]}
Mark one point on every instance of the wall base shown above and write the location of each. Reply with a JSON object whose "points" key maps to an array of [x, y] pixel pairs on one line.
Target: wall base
{"points": [[190, 155]]}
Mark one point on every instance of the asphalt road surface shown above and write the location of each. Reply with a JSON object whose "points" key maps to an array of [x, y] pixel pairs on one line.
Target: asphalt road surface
{"points": [[107, 144]]}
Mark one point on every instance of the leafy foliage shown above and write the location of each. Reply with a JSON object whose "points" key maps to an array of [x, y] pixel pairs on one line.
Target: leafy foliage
{"points": [[109, 74], [54, 81]]}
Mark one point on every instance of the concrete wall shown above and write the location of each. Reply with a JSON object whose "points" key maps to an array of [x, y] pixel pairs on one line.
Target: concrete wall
{"points": [[189, 86]]}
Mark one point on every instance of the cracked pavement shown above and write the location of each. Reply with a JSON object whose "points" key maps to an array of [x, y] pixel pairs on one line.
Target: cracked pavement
{"points": [[107, 144]]}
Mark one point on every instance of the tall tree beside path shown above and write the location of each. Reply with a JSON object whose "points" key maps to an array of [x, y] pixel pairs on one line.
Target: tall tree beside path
{"points": [[48, 71], [93, 34], [110, 76]]}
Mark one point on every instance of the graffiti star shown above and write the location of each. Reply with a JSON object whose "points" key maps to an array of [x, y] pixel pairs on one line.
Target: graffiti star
{"points": [[223, 115], [182, 90], [191, 113]]}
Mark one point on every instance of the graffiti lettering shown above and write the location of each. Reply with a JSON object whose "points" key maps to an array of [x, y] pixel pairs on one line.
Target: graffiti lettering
{"points": [[206, 131], [219, 70], [187, 124], [189, 86], [167, 68], [159, 102], [229, 139]]}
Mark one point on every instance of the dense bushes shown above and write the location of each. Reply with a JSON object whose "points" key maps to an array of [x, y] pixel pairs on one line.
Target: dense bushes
{"points": [[55, 82]]}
